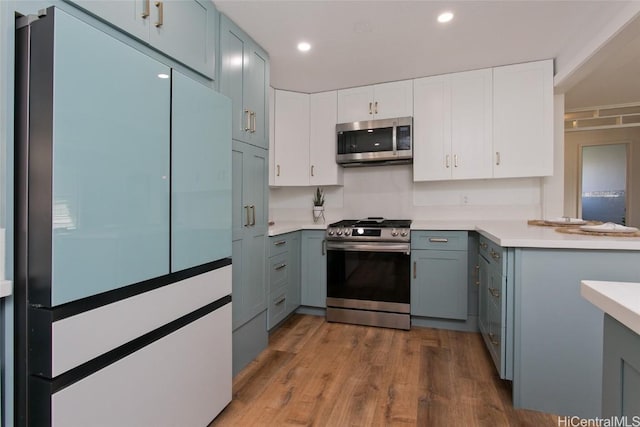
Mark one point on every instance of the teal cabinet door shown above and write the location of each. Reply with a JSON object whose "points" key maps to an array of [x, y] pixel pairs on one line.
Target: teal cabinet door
{"points": [[244, 77], [234, 56], [621, 371], [313, 269], [182, 29], [200, 174], [439, 284], [249, 231], [110, 176], [293, 287]]}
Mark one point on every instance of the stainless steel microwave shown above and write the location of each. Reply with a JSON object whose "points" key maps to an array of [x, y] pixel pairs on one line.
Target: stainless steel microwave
{"points": [[384, 141]]}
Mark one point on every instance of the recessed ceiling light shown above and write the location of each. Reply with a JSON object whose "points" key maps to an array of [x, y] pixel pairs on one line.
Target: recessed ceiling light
{"points": [[445, 17], [304, 47]]}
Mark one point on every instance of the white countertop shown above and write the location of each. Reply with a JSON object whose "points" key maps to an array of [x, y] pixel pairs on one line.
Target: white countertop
{"points": [[516, 234], [620, 300]]}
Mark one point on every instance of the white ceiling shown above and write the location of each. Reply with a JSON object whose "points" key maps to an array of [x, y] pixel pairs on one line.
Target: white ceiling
{"points": [[356, 43]]}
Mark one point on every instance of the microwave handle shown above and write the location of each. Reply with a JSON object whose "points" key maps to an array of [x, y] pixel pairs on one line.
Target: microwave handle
{"points": [[394, 138]]}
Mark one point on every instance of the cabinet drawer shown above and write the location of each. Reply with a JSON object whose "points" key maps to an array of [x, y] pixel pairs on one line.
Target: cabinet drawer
{"points": [[278, 270], [439, 240], [277, 307], [491, 251], [278, 244]]}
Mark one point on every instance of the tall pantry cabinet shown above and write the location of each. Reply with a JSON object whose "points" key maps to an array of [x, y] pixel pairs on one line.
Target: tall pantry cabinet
{"points": [[244, 77]]}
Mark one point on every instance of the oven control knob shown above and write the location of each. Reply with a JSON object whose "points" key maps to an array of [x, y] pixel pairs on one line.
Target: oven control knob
{"points": [[339, 232], [404, 233], [347, 232], [394, 233], [331, 232]]}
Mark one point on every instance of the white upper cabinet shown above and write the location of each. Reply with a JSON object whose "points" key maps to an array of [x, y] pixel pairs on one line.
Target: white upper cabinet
{"points": [[322, 140], [452, 126], [291, 138], [304, 139], [523, 120], [382, 101]]}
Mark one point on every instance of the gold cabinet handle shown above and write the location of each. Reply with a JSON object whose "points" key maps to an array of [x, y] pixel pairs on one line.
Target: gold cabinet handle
{"points": [[324, 247], [370, 106], [375, 108], [280, 301], [484, 245], [278, 170], [438, 240], [477, 270], [145, 9], [279, 243], [247, 120], [497, 158], [160, 20], [494, 292], [455, 160], [247, 223], [253, 209], [312, 170], [252, 121], [493, 340], [280, 267], [446, 161], [415, 270]]}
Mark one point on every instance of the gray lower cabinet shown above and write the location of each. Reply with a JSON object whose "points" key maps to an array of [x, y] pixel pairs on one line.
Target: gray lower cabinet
{"points": [[495, 310], [313, 269], [439, 281], [284, 277], [621, 371]]}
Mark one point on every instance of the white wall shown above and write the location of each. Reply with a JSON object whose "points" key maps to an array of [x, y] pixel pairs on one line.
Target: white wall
{"points": [[389, 191]]}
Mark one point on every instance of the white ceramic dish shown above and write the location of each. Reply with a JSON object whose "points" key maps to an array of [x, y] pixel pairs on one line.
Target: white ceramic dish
{"points": [[609, 227], [567, 220]]}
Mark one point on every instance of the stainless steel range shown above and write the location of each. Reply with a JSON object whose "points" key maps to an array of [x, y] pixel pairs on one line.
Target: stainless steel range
{"points": [[368, 272]]}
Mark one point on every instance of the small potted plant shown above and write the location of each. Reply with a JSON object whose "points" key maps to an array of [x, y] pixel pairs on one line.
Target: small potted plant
{"points": [[318, 205]]}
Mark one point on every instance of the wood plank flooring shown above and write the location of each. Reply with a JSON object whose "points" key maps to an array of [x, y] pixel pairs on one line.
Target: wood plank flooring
{"points": [[316, 373]]}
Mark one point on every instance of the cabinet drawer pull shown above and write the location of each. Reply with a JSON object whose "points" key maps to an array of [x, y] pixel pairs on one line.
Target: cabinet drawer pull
{"points": [[455, 160], [248, 221], [494, 292], [280, 267], [438, 240], [497, 158], [375, 108], [492, 339], [145, 9], [247, 115], [370, 109], [280, 301], [415, 270], [253, 210], [312, 171], [278, 170], [160, 20], [446, 161], [495, 255], [279, 243], [324, 247], [477, 271], [484, 245]]}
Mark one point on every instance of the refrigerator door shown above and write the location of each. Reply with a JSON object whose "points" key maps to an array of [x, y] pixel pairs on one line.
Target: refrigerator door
{"points": [[200, 174], [99, 165]]}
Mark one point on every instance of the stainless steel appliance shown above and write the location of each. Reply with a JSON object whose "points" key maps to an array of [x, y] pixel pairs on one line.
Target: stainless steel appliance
{"points": [[368, 272], [375, 142]]}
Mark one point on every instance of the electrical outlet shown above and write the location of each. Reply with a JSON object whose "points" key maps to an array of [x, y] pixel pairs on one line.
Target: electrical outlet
{"points": [[465, 200]]}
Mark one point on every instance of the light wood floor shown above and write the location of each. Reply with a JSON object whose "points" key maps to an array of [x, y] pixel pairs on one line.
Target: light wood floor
{"points": [[331, 374]]}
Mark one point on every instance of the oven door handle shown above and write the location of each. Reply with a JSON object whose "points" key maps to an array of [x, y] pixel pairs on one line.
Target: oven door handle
{"points": [[369, 247]]}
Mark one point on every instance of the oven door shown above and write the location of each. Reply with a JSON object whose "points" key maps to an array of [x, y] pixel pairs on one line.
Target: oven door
{"points": [[369, 276]]}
